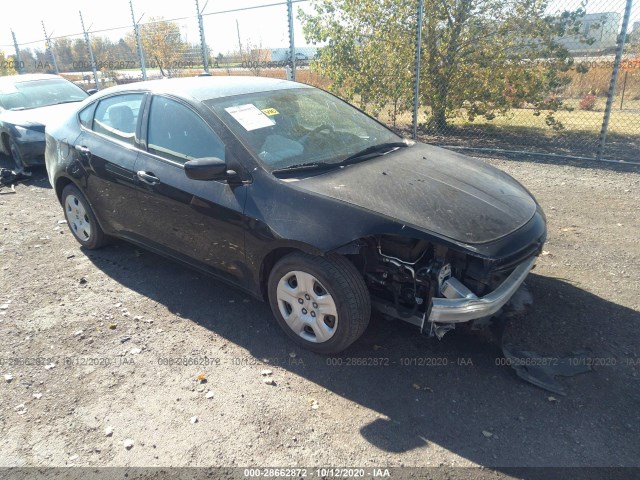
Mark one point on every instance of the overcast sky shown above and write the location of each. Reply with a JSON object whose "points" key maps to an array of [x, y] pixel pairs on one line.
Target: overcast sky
{"points": [[264, 26]]}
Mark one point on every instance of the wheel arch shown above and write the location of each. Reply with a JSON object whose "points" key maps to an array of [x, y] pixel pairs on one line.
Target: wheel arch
{"points": [[60, 183], [348, 250], [274, 255]]}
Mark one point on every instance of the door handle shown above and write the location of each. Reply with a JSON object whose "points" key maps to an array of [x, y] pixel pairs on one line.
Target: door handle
{"points": [[83, 151], [148, 177]]}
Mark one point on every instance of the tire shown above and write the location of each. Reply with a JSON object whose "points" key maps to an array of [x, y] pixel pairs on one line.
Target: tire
{"points": [[322, 303], [81, 220], [16, 157]]}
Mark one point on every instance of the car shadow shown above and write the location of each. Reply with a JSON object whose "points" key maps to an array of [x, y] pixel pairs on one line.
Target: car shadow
{"points": [[455, 393]]}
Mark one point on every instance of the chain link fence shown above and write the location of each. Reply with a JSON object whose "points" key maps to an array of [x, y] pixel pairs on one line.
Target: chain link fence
{"points": [[557, 77], [263, 52], [577, 111]]}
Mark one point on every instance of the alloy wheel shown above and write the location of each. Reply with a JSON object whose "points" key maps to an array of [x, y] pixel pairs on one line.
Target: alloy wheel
{"points": [[77, 218], [307, 307]]}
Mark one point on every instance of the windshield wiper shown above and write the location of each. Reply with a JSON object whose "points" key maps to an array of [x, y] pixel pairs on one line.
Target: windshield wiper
{"points": [[380, 149], [43, 106], [304, 166], [355, 158], [64, 101]]}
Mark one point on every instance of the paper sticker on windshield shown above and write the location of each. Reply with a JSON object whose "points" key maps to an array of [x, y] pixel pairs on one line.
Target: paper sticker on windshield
{"points": [[250, 117], [270, 111]]}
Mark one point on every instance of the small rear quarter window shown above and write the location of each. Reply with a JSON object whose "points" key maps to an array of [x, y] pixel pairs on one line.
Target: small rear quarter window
{"points": [[86, 116]]}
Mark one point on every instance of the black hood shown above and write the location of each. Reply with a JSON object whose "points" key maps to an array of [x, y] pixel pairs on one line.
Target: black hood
{"points": [[37, 118], [434, 190]]}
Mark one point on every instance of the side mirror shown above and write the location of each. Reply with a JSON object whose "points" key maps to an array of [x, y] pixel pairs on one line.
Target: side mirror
{"points": [[211, 168], [91, 91]]}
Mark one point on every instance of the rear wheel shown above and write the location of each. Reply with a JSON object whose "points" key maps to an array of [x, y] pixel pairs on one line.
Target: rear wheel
{"points": [[81, 220], [322, 303]]}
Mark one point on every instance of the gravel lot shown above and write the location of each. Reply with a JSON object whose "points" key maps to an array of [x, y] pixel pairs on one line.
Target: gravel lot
{"points": [[108, 323]]}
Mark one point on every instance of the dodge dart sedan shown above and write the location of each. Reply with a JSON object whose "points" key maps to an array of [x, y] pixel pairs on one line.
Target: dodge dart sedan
{"points": [[27, 104], [298, 198]]}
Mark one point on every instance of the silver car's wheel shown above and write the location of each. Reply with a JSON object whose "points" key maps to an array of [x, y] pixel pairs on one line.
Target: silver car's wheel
{"points": [[321, 302], [17, 158], [77, 218], [307, 307]]}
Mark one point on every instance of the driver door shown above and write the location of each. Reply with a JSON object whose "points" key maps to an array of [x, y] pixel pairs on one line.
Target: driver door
{"points": [[192, 220]]}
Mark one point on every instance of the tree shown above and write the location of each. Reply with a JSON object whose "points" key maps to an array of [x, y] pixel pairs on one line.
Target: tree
{"points": [[369, 54], [162, 44], [6, 65], [479, 57], [63, 50]]}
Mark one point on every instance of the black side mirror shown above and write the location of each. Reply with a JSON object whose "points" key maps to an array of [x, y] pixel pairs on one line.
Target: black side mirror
{"points": [[91, 91], [210, 168]]}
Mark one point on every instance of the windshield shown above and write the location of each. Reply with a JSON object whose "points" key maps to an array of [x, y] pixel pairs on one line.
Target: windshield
{"points": [[40, 93], [301, 126]]}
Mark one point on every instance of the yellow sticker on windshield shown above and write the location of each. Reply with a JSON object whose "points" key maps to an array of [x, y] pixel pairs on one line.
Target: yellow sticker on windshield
{"points": [[270, 112]]}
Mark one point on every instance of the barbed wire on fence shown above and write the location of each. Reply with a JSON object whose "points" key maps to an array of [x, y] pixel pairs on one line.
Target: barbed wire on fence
{"points": [[560, 79]]}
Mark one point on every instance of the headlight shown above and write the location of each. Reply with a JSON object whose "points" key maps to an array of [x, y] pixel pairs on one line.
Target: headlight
{"points": [[28, 135]]}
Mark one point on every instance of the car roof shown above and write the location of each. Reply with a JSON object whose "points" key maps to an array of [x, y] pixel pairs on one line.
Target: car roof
{"points": [[208, 87], [29, 77]]}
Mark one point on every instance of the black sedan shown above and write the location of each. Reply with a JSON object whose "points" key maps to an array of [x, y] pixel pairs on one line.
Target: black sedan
{"points": [[298, 198], [27, 104]]}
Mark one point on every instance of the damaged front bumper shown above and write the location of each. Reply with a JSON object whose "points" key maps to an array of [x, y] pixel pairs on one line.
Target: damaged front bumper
{"points": [[462, 305]]}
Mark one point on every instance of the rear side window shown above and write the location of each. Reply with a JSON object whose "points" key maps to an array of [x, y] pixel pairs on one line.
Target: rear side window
{"points": [[117, 117], [86, 116], [179, 134]]}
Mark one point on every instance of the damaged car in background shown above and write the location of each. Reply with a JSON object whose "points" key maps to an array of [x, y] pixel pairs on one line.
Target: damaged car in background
{"points": [[300, 199], [27, 104]]}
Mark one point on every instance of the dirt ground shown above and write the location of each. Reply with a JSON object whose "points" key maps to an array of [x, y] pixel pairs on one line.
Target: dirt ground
{"points": [[96, 340]]}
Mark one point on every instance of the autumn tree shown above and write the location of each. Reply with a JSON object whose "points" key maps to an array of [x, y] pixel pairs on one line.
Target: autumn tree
{"points": [[6, 65], [479, 57], [369, 55], [162, 44]]}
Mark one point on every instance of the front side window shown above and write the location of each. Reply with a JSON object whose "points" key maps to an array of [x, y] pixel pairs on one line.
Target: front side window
{"points": [[117, 117], [179, 134]]}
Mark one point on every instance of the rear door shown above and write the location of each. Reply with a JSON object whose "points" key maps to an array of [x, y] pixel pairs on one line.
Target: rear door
{"points": [[197, 221], [108, 148]]}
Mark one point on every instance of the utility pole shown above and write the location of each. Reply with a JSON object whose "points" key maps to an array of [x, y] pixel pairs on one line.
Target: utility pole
{"points": [[90, 52], [18, 63], [622, 38], [203, 42], [416, 87], [239, 42], [292, 45], [136, 31], [50, 48]]}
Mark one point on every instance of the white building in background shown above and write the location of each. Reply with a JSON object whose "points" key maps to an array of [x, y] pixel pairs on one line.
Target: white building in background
{"points": [[302, 54], [602, 27]]}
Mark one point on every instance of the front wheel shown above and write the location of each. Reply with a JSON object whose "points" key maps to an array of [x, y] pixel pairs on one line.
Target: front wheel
{"points": [[16, 156], [322, 303], [81, 220]]}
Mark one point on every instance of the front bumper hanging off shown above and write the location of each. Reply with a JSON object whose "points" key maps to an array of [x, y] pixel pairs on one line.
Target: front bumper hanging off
{"points": [[462, 305]]}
